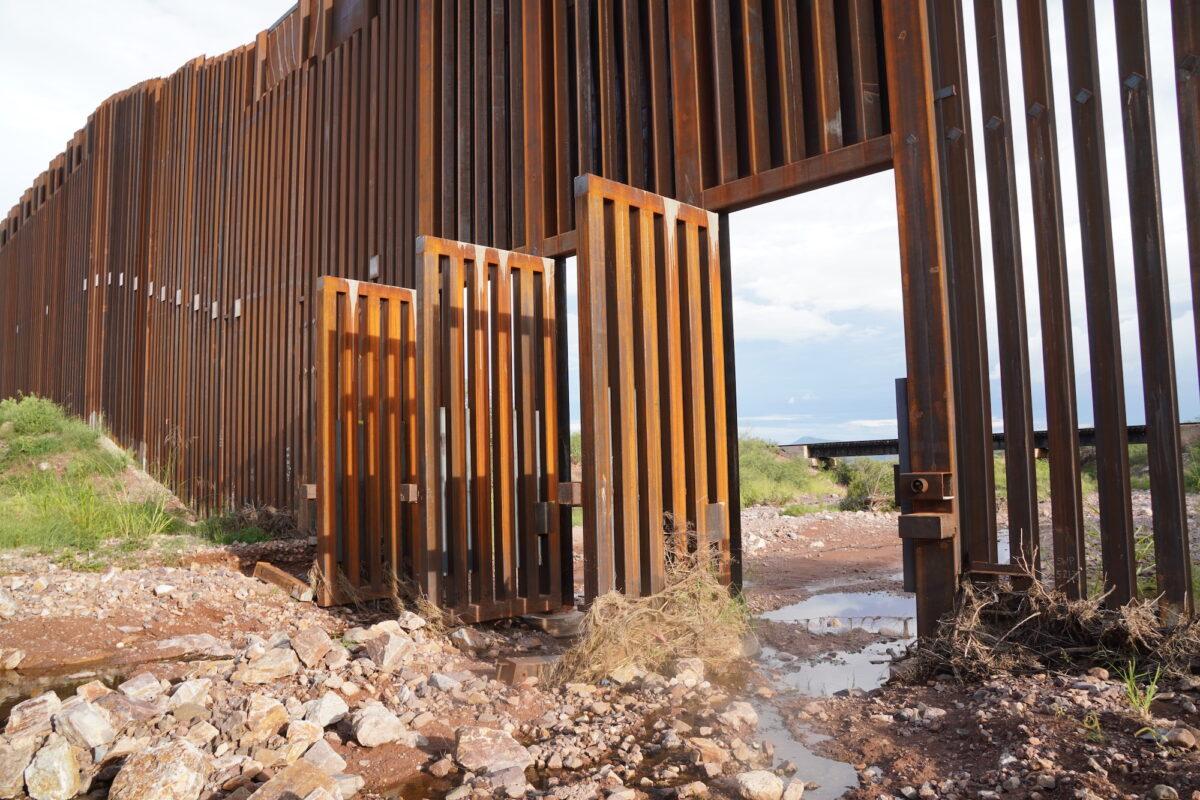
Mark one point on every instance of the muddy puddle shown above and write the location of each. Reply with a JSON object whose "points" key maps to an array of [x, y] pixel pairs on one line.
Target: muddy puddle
{"points": [[840, 670], [18, 686], [885, 613], [824, 778]]}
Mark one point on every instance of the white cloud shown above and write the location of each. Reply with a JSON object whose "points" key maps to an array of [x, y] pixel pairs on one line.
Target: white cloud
{"points": [[758, 321], [60, 60]]}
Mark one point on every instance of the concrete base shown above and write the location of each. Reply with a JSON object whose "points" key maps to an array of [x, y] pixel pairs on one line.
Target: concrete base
{"points": [[515, 669], [559, 624]]}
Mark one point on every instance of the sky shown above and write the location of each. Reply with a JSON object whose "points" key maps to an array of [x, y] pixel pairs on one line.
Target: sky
{"points": [[816, 278]]}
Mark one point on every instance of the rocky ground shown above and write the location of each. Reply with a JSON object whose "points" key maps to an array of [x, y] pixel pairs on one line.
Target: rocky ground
{"points": [[194, 680]]}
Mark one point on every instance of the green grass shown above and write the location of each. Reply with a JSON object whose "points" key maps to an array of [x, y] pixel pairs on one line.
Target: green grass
{"points": [[770, 478], [1140, 688], [230, 529], [802, 509], [60, 493]]}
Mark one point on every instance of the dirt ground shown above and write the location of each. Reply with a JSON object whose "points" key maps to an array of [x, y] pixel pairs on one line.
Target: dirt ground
{"points": [[1037, 736]]}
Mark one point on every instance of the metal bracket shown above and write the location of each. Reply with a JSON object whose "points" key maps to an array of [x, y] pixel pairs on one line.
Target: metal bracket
{"points": [[570, 493], [928, 526], [408, 493], [925, 486], [944, 92]]}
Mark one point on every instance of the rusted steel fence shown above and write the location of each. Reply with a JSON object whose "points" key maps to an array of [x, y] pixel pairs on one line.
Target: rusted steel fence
{"points": [[489, 411], [1038, 113], [368, 522], [652, 365], [161, 274]]}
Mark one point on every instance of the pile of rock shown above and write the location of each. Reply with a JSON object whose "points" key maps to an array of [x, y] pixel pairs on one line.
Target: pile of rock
{"points": [[263, 724], [598, 742]]}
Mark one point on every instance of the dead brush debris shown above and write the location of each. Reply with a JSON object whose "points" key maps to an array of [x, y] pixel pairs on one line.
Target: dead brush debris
{"points": [[694, 616], [997, 630]]}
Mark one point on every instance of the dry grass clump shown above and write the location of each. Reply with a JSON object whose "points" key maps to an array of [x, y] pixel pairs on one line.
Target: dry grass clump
{"points": [[694, 616], [997, 630], [405, 594]]}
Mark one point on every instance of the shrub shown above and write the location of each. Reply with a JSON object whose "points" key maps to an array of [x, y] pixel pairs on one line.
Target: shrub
{"points": [[769, 477], [869, 484]]}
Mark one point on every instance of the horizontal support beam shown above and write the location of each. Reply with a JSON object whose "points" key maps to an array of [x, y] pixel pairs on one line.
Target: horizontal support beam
{"points": [[1189, 432], [843, 164]]}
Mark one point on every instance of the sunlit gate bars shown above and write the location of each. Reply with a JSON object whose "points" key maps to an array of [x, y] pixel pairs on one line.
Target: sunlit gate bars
{"points": [[489, 417], [446, 484], [367, 439], [652, 386]]}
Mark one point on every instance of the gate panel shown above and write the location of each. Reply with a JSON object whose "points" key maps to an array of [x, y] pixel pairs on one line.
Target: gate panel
{"points": [[489, 413], [366, 439], [652, 316]]}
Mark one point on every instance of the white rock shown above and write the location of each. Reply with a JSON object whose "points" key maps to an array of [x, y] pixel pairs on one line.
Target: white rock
{"points": [[388, 650], [469, 640], [374, 725], [32, 717], [54, 772], [163, 589], [191, 691], [84, 725], [143, 686], [311, 645], [349, 785], [265, 717], [276, 663], [739, 714], [15, 756], [176, 770], [410, 621], [300, 779], [444, 682], [8, 608], [324, 757], [759, 785], [326, 710], [489, 751], [794, 790]]}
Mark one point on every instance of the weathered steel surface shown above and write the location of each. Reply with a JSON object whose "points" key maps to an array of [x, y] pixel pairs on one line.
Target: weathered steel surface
{"points": [[489, 427], [653, 386], [367, 439]]}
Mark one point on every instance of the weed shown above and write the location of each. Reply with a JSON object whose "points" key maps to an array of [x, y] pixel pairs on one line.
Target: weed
{"points": [[1092, 728], [1140, 688]]}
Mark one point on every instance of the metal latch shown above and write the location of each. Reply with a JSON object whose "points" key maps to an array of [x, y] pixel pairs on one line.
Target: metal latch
{"points": [[925, 486]]}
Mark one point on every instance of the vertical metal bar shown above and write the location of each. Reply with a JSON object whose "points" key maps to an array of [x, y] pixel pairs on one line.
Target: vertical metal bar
{"points": [[599, 574], [1104, 331], [1058, 360], [1167, 501], [926, 321], [1011, 328], [731, 413], [960, 225], [909, 546]]}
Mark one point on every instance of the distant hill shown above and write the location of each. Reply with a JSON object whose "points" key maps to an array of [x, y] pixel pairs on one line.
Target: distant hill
{"points": [[811, 440]]}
